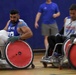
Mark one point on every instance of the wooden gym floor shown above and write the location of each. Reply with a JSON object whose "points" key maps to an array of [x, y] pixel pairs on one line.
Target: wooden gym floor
{"points": [[39, 69]]}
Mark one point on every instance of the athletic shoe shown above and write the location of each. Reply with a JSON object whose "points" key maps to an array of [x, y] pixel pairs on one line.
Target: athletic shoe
{"points": [[65, 60], [46, 60]]}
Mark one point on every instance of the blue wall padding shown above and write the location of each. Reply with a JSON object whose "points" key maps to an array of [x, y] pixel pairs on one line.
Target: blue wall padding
{"points": [[28, 10]]}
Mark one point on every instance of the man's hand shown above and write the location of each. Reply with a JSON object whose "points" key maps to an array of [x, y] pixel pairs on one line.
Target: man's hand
{"points": [[36, 25], [13, 38]]}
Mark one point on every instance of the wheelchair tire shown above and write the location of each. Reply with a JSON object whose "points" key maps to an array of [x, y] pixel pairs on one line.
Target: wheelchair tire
{"points": [[72, 56], [19, 54]]}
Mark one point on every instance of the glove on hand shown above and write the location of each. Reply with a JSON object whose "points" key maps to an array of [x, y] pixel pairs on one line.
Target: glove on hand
{"points": [[13, 38]]}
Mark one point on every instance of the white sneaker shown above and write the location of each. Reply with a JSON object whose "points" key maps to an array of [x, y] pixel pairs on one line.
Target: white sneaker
{"points": [[65, 60], [46, 60], [4, 61]]}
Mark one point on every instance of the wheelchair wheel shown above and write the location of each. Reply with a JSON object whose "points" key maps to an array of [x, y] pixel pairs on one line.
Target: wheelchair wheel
{"points": [[65, 46], [19, 54], [72, 56]]}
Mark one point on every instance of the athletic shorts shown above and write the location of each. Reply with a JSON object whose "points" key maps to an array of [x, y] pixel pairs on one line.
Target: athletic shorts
{"points": [[49, 29]]}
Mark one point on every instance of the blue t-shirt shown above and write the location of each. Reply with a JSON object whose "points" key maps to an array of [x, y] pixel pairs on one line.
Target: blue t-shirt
{"points": [[12, 29], [47, 11]]}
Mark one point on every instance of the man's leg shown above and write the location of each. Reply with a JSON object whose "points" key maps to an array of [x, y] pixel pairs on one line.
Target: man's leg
{"points": [[46, 42], [3, 40], [49, 49], [51, 42]]}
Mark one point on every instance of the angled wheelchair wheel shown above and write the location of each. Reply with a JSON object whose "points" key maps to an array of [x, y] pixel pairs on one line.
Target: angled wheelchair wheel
{"points": [[19, 54], [72, 56], [66, 46]]}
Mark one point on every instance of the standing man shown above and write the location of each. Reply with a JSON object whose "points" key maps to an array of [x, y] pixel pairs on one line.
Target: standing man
{"points": [[50, 11]]}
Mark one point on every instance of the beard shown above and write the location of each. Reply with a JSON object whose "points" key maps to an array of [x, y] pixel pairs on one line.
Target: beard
{"points": [[14, 22], [73, 18]]}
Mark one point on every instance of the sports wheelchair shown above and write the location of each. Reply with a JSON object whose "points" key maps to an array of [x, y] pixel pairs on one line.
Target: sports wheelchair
{"points": [[68, 52], [16, 55]]}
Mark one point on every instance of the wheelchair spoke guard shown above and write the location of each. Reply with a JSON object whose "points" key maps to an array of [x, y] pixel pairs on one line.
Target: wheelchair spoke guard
{"points": [[19, 54]]}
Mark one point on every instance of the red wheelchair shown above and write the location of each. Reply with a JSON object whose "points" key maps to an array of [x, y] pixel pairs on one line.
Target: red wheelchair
{"points": [[18, 55]]}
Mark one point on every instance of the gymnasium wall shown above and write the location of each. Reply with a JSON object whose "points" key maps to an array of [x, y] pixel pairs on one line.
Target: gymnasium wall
{"points": [[28, 10]]}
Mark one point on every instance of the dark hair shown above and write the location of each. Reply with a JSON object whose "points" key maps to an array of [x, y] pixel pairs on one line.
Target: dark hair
{"points": [[14, 11], [72, 7]]}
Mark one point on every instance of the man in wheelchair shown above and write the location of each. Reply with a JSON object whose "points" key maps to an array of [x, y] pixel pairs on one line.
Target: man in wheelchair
{"points": [[15, 29], [68, 31]]}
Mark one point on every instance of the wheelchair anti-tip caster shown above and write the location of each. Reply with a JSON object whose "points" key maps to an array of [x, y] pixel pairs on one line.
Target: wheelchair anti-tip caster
{"points": [[33, 66], [44, 64]]}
